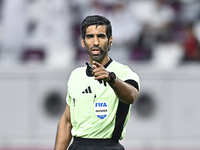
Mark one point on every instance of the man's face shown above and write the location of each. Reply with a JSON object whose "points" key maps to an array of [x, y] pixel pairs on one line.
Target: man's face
{"points": [[96, 42]]}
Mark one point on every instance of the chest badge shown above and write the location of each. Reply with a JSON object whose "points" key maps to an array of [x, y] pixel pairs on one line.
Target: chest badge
{"points": [[101, 109]]}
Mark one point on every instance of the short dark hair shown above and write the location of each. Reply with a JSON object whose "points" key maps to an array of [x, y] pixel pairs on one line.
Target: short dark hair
{"points": [[96, 20]]}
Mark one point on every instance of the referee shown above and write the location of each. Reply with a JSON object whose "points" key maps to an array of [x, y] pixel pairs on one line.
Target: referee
{"points": [[99, 96]]}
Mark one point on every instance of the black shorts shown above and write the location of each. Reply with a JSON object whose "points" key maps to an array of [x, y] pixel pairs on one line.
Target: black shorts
{"points": [[95, 144]]}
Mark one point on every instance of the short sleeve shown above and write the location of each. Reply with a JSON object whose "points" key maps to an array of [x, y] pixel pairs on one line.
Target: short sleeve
{"points": [[127, 74], [68, 98]]}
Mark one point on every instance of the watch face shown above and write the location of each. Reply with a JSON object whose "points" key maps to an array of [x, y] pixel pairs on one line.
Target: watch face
{"points": [[112, 76]]}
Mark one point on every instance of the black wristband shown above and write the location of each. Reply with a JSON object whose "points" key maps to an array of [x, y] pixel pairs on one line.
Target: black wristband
{"points": [[112, 77]]}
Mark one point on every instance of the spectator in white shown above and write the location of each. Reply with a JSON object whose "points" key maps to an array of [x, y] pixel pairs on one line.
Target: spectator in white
{"points": [[189, 11], [126, 30], [156, 16]]}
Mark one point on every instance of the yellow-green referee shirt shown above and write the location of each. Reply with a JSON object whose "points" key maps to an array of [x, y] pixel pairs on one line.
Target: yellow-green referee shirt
{"points": [[95, 110]]}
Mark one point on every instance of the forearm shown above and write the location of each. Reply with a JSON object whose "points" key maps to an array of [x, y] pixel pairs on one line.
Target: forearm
{"points": [[124, 91], [63, 136]]}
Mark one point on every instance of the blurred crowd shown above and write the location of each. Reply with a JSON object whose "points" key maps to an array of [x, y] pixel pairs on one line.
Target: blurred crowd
{"points": [[164, 32]]}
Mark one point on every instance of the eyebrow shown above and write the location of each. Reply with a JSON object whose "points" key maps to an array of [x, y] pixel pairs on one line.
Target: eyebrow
{"points": [[101, 34]]}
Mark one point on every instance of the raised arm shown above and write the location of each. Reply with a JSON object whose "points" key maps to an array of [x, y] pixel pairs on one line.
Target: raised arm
{"points": [[64, 136], [124, 91]]}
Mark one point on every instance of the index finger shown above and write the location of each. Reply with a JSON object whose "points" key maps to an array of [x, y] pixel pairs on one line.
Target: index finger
{"points": [[96, 64]]}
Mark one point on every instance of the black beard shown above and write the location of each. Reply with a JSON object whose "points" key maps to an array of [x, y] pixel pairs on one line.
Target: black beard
{"points": [[97, 57]]}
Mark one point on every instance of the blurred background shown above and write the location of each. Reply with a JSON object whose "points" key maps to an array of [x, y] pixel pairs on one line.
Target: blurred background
{"points": [[40, 46]]}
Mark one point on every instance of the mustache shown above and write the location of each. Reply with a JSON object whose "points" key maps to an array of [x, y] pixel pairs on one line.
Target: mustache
{"points": [[97, 47]]}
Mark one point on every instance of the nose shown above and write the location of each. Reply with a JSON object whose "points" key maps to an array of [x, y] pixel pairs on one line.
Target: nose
{"points": [[96, 41]]}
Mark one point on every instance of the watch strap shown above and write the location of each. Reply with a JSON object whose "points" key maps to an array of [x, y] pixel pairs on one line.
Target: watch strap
{"points": [[112, 77]]}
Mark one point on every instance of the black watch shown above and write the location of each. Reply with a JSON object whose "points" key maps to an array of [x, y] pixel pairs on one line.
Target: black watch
{"points": [[112, 77]]}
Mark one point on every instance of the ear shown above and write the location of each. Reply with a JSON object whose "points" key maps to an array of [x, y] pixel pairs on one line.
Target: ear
{"points": [[82, 42], [110, 42]]}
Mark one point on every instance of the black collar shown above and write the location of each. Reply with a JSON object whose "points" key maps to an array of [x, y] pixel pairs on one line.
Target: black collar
{"points": [[89, 72]]}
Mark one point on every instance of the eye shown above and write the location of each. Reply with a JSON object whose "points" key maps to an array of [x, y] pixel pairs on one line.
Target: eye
{"points": [[101, 35], [89, 36]]}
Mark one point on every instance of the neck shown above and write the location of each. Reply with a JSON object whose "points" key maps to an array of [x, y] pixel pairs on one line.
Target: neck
{"points": [[103, 62]]}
